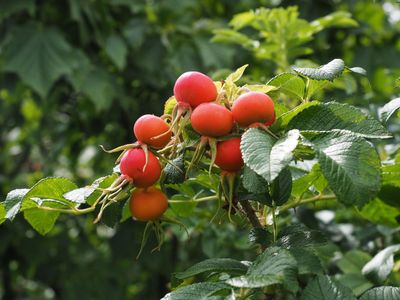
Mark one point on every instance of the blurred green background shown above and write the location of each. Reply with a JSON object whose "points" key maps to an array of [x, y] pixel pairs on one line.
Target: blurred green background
{"points": [[75, 74]]}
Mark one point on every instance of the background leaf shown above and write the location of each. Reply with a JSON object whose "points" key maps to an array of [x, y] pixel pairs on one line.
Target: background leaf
{"points": [[325, 72], [383, 292], [325, 288]]}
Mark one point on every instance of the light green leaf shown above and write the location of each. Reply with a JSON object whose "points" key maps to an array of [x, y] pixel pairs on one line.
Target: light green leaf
{"points": [[42, 221], [79, 195], [264, 156], [235, 76], [226, 265], [325, 288], [381, 265], [332, 115], [13, 201], [285, 118], [314, 178], [356, 282], [117, 50], [378, 212], [358, 70], [261, 88], [232, 37], [382, 293], [100, 183], [350, 164], [337, 19], [329, 71], [197, 291], [353, 261], [50, 57], [2, 213], [289, 84], [242, 20], [388, 110]]}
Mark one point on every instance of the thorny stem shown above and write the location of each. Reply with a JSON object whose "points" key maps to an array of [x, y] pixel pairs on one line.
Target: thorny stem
{"points": [[250, 213]]}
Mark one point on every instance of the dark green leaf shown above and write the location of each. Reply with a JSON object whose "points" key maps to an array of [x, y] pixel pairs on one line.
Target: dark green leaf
{"points": [[255, 281], [381, 265], [325, 288], [197, 291], [13, 201], [50, 57], [116, 49], [353, 261], [260, 236], [281, 187], [390, 195], [174, 171], [356, 282], [8, 8], [307, 261], [219, 265], [382, 293], [388, 109], [350, 164], [253, 182], [329, 71], [299, 236], [332, 115]]}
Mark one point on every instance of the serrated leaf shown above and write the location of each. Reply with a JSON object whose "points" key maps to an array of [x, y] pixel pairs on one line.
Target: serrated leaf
{"points": [[13, 201], [226, 265], [325, 288], [79, 195], [329, 71], [273, 266], [235, 76], [281, 187], [260, 236], [50, 189], [283, 121], [314, 178], [307, 261], [50, 57], [332, 115], [289, 84], [113, 214], [117, 50], [299, 236], [265, 156], [350, 164], [197, 291], [388, 110], [169, 105], [42, 221], [382, 293], [381, 265], [253, 182]]}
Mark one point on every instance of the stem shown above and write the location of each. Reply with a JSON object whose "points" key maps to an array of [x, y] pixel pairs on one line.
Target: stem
{"points": [[251, 215], [274, 225], [203, 199], [307, 201], [73, 211]]}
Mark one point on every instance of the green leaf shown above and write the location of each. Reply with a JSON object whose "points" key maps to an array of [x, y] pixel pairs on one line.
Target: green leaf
{"points": [[283, 121], [325, 288], [289, 84], [100, 183], [299, 236], [329, 71], [235, 76], [50, 57], [332, 115], [42, 221], [79, 195], [260, 236], [338, 18], [197, 291], [350, 164], [281, 187], [356, 282], [2, 213], [261, 88], [13, 201], [353, 261], [379, 212], [253, 182], [219, 265], [358, 70], [314, 178], [390, 195], [381, 265], [117, 50], [273, 266], [174, 171], [264, 156], [388, 110], [307, 261], [8, 8], [382, 293]]}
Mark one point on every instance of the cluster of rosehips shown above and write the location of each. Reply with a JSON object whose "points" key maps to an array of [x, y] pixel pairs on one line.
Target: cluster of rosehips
{"points": [[219, 120]]}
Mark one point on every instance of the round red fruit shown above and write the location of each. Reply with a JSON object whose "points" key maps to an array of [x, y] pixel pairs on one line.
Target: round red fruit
{"points": [[229, 158], [132, 164], [253, 107], [148, 127], [148, 204], [212, 120], [194, 88]]}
